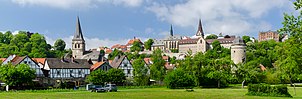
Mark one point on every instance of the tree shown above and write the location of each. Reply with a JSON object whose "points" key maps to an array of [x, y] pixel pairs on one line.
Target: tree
{"points": [[136, 47], [216, 45], [19, 75], [148, 44], [157, 70], [98, 77], [179, 79], [60, 45], [212, 36], [246, 39], [289, 62], [220, 70], [140, 72], [39, 46], [116, 76], [114, 53], [249, 72]]}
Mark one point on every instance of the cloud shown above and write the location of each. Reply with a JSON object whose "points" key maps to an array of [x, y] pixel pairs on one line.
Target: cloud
{"points": [[80, 4], [229, 16]]}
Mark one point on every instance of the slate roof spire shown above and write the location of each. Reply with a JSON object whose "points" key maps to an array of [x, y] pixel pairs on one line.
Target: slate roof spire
{"points": [[171, 31], [78, 33], [200, 30]]}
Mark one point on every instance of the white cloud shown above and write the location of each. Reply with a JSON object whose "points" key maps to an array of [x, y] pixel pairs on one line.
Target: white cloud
{"points": [[80, 4], [228, 16]]}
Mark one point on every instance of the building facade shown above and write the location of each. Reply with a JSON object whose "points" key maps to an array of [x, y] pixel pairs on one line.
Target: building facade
{"points": [[269, 35]]}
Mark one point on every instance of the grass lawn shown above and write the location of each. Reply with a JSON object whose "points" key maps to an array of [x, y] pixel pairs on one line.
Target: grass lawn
{"points": [[150, 93]]}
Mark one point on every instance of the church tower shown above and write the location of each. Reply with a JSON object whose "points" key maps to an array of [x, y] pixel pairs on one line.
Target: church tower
{"points": [[238, 51], [200, 30], [78, 42]]}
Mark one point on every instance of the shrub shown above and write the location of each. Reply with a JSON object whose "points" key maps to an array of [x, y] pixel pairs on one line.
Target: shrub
{"points": [[178, 78], [268, 90]]}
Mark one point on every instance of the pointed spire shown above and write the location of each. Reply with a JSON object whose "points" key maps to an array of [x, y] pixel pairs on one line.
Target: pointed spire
{"points": [[200, 30], [171, 31], [78, 33]]}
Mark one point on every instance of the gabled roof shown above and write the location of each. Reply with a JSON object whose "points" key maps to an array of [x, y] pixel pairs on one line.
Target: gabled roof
{"points": [[16, 60], [189, 41], [116, 46], [96, 65], [76, 64], [117, 61], [222, 41], [39, 60]]}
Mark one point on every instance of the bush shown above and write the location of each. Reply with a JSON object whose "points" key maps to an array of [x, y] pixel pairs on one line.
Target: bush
{"points": [[268, 90], [179, 79]]}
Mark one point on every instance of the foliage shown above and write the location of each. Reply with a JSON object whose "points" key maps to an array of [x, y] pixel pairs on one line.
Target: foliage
{"points": [[98, 77], [140, 72], [212, 36], [220, 70], [19, 75], [59, 45], [250, 72], [148, 44], [268, 90], [114, 53], [116, 76], [136, 47], [157, 70], [25, 43], [246, 39], [174, 50], [179, 79]]}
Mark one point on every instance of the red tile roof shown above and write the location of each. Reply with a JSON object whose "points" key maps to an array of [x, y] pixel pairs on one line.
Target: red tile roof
{"points": [[147, 61], [2, 59], [116, 46], [39, 60], [165, 57], [262, 67], [130, 42], [96, 65]]}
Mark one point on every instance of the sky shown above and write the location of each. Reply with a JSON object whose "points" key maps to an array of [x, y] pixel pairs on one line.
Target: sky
{"points": [[108, 22]]}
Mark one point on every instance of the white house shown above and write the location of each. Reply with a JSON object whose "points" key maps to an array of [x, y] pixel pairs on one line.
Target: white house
{"points": [[122, 62]]}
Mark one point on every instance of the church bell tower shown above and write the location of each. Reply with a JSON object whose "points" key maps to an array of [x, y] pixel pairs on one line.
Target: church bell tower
{"points": [[78, 42]]}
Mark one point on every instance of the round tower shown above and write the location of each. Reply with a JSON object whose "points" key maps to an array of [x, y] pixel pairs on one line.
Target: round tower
{"points": [[238, 51]]}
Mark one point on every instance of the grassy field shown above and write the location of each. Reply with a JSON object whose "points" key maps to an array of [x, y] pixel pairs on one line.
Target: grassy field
{"points": [[148, 93]]}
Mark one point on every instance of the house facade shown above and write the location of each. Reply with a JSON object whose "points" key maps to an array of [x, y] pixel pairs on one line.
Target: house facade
{"points": [[122, 62], [15, 60]]}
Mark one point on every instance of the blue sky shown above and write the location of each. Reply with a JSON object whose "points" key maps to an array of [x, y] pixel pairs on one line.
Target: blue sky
{"points": [[107, 22]]}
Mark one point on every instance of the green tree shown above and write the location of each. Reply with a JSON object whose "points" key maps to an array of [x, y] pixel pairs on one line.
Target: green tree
{"points": [[220, 70], [60, 45], [39, 46], [116, 76], [140, 72], [98, 77], [114, 53], [157, 70], [136, 47], [212, 36], [148, 44], [19, 75], [246, 39], [249, 72], [179, 79]]}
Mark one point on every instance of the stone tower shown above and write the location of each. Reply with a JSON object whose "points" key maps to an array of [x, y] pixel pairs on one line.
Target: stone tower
{"points": [[238, 51], [200, 30], [78, 42]]}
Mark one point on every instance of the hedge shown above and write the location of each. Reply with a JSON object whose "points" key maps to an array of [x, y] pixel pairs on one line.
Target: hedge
{"points": [[268, 90]]}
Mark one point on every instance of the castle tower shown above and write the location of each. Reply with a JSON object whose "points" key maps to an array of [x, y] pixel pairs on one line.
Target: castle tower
{"points": [[238, 51], [78, 42], [200, 30]]}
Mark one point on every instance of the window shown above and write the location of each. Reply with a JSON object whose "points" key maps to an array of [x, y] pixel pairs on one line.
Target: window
{"points": [[234, 51], [128, 71], [25, 62], [58, 72], [80, 72]]}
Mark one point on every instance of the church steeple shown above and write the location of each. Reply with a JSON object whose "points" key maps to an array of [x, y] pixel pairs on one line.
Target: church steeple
{"points": [[78, 33], [78, 42], [200, 30], [171, 31]]}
